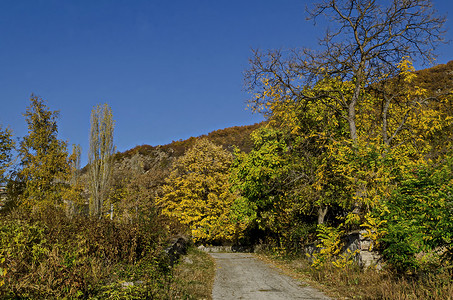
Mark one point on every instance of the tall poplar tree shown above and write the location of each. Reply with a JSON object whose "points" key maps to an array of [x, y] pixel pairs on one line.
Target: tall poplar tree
{"points": [[44, 158], [100, 157]]}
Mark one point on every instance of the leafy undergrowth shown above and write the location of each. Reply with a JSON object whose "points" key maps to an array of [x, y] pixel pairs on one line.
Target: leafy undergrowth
{"points": [[193, 277], [50, 256], [355, 283]]}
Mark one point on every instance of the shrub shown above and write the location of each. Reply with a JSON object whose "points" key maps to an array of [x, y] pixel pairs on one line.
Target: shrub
{"points": [[52, 256], [419, 222]]}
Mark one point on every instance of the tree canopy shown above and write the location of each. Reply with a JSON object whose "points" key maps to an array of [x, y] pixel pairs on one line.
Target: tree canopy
{"points": [[100, 157], [351, 117], [44, 158], [364, 44], [197, 192]]}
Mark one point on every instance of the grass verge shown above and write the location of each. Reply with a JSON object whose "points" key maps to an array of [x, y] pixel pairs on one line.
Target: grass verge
{"points": [[193, 277], [355, 283]]}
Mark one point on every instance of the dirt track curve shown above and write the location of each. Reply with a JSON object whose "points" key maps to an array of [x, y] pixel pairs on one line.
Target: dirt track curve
{"points": [[243, 276]]}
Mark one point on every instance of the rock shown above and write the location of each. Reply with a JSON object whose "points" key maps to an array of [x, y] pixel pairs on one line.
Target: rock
{"points": [[178, 246]]}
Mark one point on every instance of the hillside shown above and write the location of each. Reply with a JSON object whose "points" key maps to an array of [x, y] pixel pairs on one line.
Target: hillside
{"points": [[154, 162], [437, 79], [238, 136]]}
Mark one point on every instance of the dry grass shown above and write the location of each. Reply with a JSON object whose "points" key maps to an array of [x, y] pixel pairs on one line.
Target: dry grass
{"points": [[193, 277], [50, 256], [354, 283]]}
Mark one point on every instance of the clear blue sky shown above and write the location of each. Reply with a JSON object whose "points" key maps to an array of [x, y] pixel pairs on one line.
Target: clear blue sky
{"points": [[169, 69]]}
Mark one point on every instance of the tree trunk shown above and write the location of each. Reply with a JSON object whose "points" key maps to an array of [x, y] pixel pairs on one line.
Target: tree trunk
{"points": [[322, 212]]}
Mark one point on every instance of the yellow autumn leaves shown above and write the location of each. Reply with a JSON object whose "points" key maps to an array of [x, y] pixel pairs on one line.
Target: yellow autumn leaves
{"points": [[197, 193]]}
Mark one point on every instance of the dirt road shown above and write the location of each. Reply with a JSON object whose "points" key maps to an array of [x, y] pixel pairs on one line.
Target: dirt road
{"points": [[242, 276]]}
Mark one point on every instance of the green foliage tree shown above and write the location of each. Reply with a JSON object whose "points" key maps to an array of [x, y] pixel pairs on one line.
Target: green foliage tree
{"points": [[258, 177], [197, 192], [100, 157], [275, 185], [419, 218], [355, 107], [44, 158], [6, 147]]}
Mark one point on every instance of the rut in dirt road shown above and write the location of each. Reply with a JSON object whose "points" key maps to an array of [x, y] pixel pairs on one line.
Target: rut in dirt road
{"points": [[242, 276]]}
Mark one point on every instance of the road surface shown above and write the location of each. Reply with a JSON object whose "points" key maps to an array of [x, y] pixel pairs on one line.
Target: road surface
{"points": [[243, 276]]}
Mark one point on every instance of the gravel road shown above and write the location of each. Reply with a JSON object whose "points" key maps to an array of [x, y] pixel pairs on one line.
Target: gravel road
{"points": [[243, 276]]}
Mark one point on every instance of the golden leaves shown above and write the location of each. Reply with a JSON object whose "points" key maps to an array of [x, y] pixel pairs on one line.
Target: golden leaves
{"points": [[197, 192]]}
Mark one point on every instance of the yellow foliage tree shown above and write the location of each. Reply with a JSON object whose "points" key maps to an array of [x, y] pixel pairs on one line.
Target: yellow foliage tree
{"points": [[197, 192], [356, 99], [44, 159]]}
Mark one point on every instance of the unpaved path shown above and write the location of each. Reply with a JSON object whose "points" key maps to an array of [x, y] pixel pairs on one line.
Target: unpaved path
{"points": [[243, 276]]}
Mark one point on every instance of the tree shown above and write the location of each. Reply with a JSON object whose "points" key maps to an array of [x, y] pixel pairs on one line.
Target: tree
{"points": [[197, 192], [44, 162], [261, 178], [357, 100], [359, 77], [6, 147], [365, 45], [73, 195], [278, 184], [100, 157]]}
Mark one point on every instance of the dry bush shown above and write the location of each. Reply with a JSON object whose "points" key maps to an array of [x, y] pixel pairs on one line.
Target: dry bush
{"points": [[51, 256]]}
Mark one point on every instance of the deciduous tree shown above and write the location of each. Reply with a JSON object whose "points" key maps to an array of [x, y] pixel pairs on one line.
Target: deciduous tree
{"points": [[356, 100], [365, 43], [44, 158], [197, 192], [100, 157]]}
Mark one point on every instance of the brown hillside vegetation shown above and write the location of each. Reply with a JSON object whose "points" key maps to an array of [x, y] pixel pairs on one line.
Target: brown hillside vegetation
{"points": [[438, 79], [238, 136]]}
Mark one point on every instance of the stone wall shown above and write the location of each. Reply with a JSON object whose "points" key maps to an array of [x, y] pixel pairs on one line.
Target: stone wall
{"points": [[368, 257]]}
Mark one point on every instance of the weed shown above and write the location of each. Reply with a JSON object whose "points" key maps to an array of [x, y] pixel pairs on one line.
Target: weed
{"points": [[193, 277], [353, 282], [53, 257]]}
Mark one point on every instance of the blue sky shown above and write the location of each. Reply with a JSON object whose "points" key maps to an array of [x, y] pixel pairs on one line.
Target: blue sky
{"points": [[169, 69]]}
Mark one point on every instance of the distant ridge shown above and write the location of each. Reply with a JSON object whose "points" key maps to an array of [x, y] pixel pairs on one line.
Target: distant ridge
{"points": [[236, 136]]}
